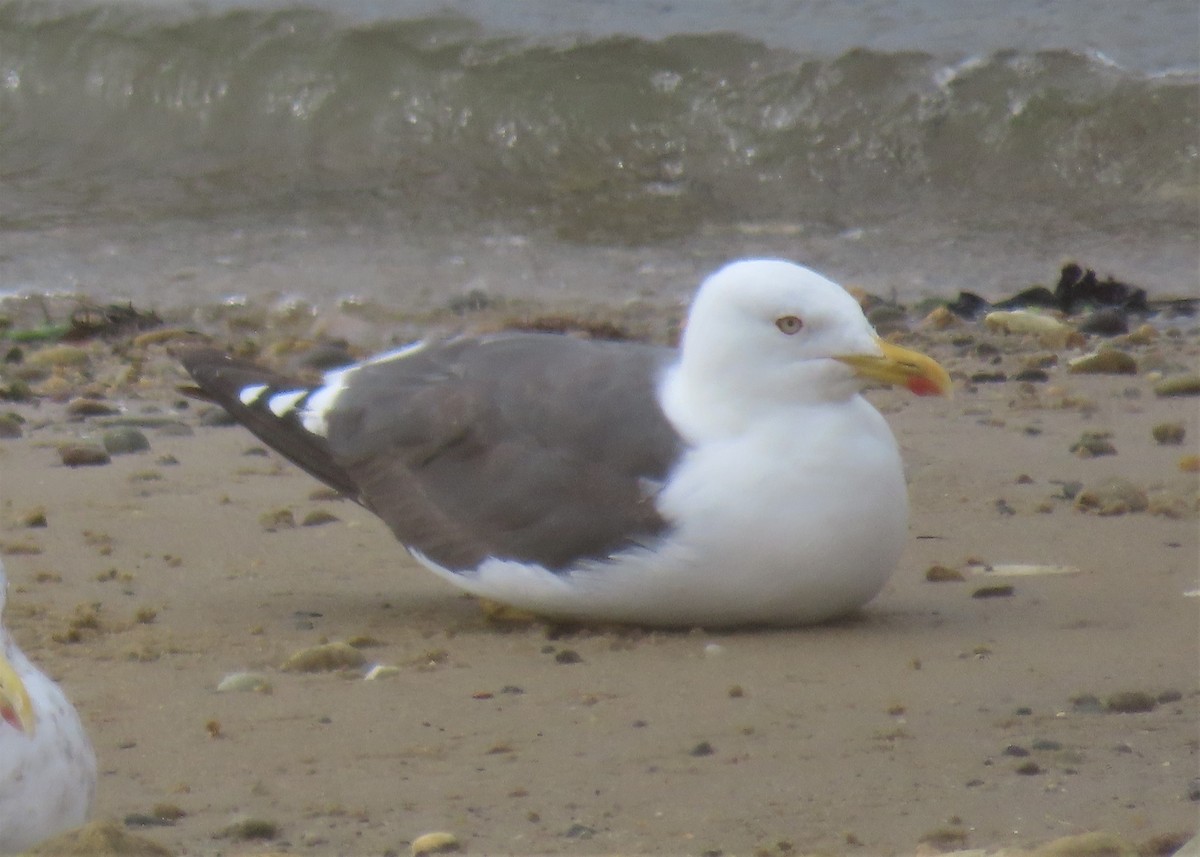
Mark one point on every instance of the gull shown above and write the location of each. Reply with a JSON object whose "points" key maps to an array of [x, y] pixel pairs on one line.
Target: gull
{"points": [[741, 479], [47, 767]]}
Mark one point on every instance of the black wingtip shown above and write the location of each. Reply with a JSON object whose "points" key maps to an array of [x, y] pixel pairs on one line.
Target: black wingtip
{"points": [[220, 379]]}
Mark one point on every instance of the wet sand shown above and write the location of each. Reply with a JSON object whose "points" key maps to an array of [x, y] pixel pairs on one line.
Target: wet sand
{"points": [[934, 719]]}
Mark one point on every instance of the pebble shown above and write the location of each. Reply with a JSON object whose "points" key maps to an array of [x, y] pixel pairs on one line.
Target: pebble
{"points": [[276, 520], [1048, 329], [438, 842], [243, 682], [1169, 434], [1143, 334], [1086, 703], [1130, 702], [1106, 361], [943, 574], [1178, 385], [83, 454], [702, 749], [81, 407], [325, 658], [10, 426], [1048, 744], [318, 517], [1104, 322], [1193, 789], [123, 440], [1115, 496], [940, 318], [58, 355], [1093, 444], [999, 591], [34, 518], [251, 828]]}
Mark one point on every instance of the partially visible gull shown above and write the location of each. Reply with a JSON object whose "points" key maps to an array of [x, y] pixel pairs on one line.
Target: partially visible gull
{"points": [[47, 767], [741, 479]]}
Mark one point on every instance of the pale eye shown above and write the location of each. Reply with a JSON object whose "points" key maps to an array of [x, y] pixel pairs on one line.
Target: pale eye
{"points": [[789, 324]]}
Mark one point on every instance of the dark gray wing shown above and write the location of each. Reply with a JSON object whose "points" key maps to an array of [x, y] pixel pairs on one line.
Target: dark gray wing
{"points": [[534, 447]]}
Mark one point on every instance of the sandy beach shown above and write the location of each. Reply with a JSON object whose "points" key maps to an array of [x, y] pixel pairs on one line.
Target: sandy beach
{"points": [[997, 708]]}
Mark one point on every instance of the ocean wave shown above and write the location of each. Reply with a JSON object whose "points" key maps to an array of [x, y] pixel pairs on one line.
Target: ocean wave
{"points": [[111, 112]]}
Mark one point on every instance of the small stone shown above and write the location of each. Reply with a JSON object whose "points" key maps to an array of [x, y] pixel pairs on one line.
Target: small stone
{"points": [[1189, 463], [1029, 768], [1032, 376], [1130, 702], [1169, 695], [318, 518], [702, 749], [168, 811], [438, 842], [1143, 334], [995, 377], [83, 455], [1049, 330], [1115, 496], [943, 839], [35, 518], [1104, 322], [940, 318], [1178, 385], [1093, 444], [943, 574], [1016, 751], [998, 591], [1169, 434], [1106, 361], [325, 658], [251, 828], [124, 440], [1193, 789], [244, 682], [10, 426], [58, 355], [276, 520], [1046, 744], [568, 656], [82, 407], [1087, 703]]}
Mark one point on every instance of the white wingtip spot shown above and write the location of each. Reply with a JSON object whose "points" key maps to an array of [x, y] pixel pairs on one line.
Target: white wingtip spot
{"points": [[249, 395], [281, 403], [321, 401]]}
